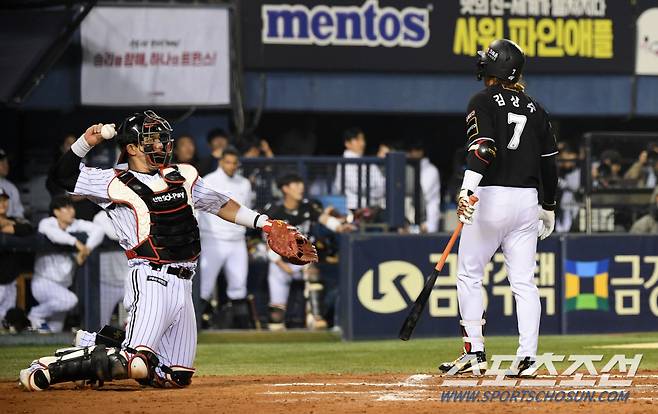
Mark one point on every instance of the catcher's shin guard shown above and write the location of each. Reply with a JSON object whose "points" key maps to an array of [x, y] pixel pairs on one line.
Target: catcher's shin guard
{"points": [[95, 364]]}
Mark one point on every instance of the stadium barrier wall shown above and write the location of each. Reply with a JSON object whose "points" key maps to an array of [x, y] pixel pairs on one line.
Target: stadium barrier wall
{"points": [[586, 284]]}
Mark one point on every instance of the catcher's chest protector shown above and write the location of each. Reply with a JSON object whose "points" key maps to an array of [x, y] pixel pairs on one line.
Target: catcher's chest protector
{"points": [[167, 231]]}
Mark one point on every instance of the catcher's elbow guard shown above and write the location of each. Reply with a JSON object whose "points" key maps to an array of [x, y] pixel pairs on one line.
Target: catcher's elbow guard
{"points": [[481, 154]]}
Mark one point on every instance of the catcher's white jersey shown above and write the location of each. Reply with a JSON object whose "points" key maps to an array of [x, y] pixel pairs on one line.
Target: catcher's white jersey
{"points": [[159, 304]]}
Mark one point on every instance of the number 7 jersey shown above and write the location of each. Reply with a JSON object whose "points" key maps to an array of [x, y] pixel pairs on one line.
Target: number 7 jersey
{"points": [[521, 129]]}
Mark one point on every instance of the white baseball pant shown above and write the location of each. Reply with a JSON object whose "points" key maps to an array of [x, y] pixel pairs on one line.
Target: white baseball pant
{"points": [[7, 298], [279, 282], [505, 217], [230, 255], [54, 300], [161, 315]]}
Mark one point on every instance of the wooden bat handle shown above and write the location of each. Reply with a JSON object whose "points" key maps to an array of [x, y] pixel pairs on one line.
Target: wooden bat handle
{"points": [[446, 251]]}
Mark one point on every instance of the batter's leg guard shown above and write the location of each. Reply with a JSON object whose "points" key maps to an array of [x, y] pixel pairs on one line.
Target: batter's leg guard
{"points": [[277, 318], [95, 364], [469, 361]]}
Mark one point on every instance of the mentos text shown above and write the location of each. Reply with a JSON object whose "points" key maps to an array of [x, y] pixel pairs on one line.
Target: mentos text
{"points": [[368, 25]]}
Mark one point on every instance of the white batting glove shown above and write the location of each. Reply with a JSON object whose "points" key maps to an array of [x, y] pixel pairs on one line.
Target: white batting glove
{"points": [[546, 223], [466, 206]]}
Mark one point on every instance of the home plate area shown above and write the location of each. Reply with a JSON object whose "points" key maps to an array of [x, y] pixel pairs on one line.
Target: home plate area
{"points": [[348, 393]]}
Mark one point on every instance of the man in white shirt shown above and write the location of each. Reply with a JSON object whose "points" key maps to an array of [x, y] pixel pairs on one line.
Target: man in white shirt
{"points": [[430, 185], [114, 271], [53, 272], [355, 145], [15, 206], [223, 244]]}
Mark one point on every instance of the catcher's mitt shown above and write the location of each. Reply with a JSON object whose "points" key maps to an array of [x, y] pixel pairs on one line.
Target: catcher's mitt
{"points": [[290, 244]]}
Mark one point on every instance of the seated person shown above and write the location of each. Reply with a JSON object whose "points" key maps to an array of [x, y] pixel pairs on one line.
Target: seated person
{"points": [[53, 272], [10, 266]]}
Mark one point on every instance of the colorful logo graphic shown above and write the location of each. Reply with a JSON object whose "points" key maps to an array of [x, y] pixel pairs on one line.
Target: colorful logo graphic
{"points": [[586, 285]]}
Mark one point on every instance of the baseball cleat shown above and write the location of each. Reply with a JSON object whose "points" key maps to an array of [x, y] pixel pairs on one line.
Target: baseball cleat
{"points": [[523, 368], [34, 378], [467, 362]]}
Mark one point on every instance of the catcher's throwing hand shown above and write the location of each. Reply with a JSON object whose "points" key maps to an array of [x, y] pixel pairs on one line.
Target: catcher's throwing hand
{"points": [[289, 243], [466, 206]]}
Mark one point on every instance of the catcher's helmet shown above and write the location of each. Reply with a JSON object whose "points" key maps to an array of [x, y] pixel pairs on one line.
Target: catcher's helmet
{"points": [[503, 59], [146, 129]]}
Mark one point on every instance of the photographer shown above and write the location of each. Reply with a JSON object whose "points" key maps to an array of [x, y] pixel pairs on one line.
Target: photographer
{"points": [[645, 170]]}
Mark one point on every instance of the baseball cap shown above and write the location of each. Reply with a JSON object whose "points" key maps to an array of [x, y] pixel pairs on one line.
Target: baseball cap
{"points": [[3, 193]]}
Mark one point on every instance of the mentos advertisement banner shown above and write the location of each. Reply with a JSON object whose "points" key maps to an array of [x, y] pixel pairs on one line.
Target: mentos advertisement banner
{"points": [[436, 35], [586, 284]]}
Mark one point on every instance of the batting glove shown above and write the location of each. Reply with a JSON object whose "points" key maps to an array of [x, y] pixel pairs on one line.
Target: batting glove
{"points": [[466, 206], [546, 223]]}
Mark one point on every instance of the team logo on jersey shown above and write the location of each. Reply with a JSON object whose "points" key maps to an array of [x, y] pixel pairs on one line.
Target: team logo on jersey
{"points": [[369, 25], [156, 279], [176, 195]]}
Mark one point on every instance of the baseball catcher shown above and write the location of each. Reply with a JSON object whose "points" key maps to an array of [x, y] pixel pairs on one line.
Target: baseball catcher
{"points": [[151, 205]]}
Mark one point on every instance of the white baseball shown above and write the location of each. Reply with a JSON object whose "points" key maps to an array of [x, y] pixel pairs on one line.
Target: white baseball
{"points": [[108, 131]]}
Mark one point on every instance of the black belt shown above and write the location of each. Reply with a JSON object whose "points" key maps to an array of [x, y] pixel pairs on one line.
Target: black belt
{"points": [[179, 272]]}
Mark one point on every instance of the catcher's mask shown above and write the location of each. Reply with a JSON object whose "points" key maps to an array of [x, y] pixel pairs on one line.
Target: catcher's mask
{"points": [[147, 129], [503, 59]]}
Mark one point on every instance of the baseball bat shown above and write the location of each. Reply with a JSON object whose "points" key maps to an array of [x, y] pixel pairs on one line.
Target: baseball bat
{"points": [[412, 319]]}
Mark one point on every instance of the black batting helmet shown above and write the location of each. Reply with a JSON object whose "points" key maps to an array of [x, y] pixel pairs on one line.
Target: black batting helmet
{"points": [[503, 59], [144, 129]]}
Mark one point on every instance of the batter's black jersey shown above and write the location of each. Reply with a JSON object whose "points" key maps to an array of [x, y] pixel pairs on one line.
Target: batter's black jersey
{"points": [[521, 130], [303, 217]]}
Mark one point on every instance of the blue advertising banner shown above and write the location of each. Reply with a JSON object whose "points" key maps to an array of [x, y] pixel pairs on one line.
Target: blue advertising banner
{"points": [[383, 274], [611, 284]]}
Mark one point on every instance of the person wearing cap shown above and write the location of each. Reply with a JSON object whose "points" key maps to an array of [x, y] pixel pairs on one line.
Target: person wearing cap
{"points": [[15, 206], [10, 266]]}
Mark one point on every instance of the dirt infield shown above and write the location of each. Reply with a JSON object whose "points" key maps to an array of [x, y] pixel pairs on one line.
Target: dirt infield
{"points": [[313, 394]]}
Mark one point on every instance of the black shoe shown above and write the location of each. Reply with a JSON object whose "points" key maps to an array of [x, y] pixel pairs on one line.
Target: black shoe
{"points": [[473, 362], [523, 368]]}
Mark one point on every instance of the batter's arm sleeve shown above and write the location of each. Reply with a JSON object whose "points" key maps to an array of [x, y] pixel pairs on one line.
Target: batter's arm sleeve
{"points": [[49, 228], [548, 165]]}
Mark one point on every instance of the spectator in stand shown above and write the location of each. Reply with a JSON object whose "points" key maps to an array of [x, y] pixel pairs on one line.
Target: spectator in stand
{"points": [[217, 140], [354, 140], [645, 170], [185, 151], [53, 272], [569, 182], [430, 185], [607, 174], [15, 206], [10, 266], [648, 224]]}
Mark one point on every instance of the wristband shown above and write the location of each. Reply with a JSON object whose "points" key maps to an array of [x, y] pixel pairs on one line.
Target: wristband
{"points": [[471, 180], [81, 147]]}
